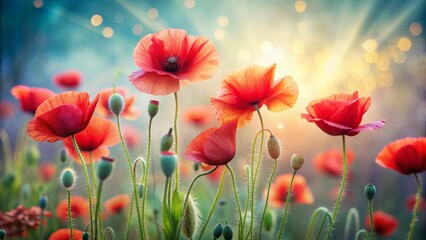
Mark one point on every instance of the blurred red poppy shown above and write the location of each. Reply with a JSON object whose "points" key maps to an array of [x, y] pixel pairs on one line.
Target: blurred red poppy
{"points": [[30, 97], [64, 234], [116, 204], [331, 162], [406, 156], [79, 208], [411, 202], [198, 116], [279, 189], [168, 57], [215, 146], [129, 112], [216, 175], [253, 85], [384, 224], [61, 116], [47, 170], [69, 79], [94, 140], [341, 114], [132, 136], [7, 109]]}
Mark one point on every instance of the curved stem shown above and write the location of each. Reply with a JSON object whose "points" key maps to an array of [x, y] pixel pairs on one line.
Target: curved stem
{"points": [[267, 197], [321, 226], [286, 204], [416, 206], [111, 231], [352, 212], [219, 190], [69, 213], [98, 200], [175, 125], [370, 207], [314, 217], [240, 233], [187, 196], [361, 233], [129, 218], [86, 177], [342, 188], [144, 180], [135, 191]]}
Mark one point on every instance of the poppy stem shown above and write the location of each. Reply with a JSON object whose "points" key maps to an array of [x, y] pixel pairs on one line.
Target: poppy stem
{"points": [[361, 233], [41, 224], [69, 212], [111, 231], [416, 206], [342, 188], [314, 217], [219, 190], [240, 233], [144, 179], [247, 197], [5, 142], [135, 191], [98, 200], [267, 197], [129, 218], [187, 196], [92, 165], [166, 185], [175, 125], [287, 204], [370, 207], [352, 212], [86, 178]]}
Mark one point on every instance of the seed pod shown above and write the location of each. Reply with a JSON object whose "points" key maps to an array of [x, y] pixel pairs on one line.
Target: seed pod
{"points": [[8, 180], [42, 202], [105, 167], [68, 178], [297, 161], [227, 232], [274, 147], [153, 108], [196, 166], [190, 218], [168, 163], [270, 218], [116, 103], [140, 191], [2, 234], [85, 236], [167, 141], [217, 231], [63, 156], [370, 191], [32, 156]]}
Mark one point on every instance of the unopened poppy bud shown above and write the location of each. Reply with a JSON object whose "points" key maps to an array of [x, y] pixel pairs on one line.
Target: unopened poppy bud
{"points": [[68, 178], [42, 202], [297, 161], [217, 231], [141, 189], [227, 232], [32, 156], [8, 180], [2, 234], [85, 236], [370, 191], [222, 203], [274, 147], [196, 166], [168, 163], [167, 141], [26, 191], [269, 220], [105, 168], [116, 103], [63, 156], [153, 108]]}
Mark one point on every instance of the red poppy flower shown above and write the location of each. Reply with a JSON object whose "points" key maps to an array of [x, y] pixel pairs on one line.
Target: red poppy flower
{"points": [[279, 189], [94, 140], [254, 85], [384, 224], [341, 114], [406, 156], [47, 170], [116, 204], [30, 97], [215, 146], [167, 57], [197, 115], [129, 111], [331, 162], [7, 109], [411, 202], [69, 79], [64, 234], [79, 208], [61, 116]]}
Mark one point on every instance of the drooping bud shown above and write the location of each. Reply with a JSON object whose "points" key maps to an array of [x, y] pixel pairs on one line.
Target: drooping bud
{"points": [[274, 147], [42, 201], [105, 167], [85, 236], [217, 231], [141, 189], [167, 141], [270, 218], [8, 180], [68, 178], [32, 156], [116, 103], [2, 234], [370, 191], [190, 218], [168, 163], [63, 156], [196, 166], [153, 108], [297, 161], [227, 232]]}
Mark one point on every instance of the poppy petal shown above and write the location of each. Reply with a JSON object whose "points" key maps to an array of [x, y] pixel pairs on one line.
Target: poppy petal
{"points": [[220, 146], [367, 127], [330, 128], [195, 149], [153, 83], [283, 95], [351, 114], [228, 112], [81, 99]]}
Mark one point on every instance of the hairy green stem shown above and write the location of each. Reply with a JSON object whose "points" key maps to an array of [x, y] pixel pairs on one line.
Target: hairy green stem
{"points": [[267, 197], [370, 208], [98, 201], [352, 212], [129, 218], [286, 204], [111, 231], [240, 233], [42, 224], [416, 206], [5, 142], [175, 125], [144, 179], [361, 233], [69, 213], [92, 165], [314, 217], [247, 197]]}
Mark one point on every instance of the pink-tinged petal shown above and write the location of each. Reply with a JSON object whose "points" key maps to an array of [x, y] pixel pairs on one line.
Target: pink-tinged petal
{"points": [[283, 95], [195, 149], [220, 146], [228, 112], [153, 83], [330, 128], [367, 127]]}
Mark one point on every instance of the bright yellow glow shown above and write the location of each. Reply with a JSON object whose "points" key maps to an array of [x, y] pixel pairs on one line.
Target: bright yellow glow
{"points": [[384, 79], [223, 21], [107, 32], [280, 126], [369, 83], [189, 3], [302, 27], [137, 29], [383, 64], [398, 57], [415, 29], [244, 55], [369, 45], [38, 3], [298, 47], [359, 70], [404, 44], [96, 20], [266, 47], [153, 13], [300, 6], [371, 57], [219, 34]]}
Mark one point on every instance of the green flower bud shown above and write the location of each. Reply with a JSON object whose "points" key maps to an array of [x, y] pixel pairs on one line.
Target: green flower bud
{"points": [[227, 232], [2, 234], [297, 161], [32, 156], [217, 231], [153, 108], [42, 202], [269, 220], [26, 190], [68, 178], [168, 163], [141, 189], [167, 141], [196, 166], [63, 156], [370, 191], [274, 147], [9, 180], [85, 236], [105, 167], [116, 103]]}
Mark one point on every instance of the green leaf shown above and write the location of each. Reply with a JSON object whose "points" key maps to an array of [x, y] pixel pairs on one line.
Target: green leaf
{"points": [[168, 226]]}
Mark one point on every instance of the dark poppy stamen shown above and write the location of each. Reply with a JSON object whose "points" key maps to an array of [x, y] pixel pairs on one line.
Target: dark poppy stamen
{"points": [[171, 64]]}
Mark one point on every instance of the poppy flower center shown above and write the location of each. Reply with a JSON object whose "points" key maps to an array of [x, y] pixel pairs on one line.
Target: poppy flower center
{"points": [[171, 64]]}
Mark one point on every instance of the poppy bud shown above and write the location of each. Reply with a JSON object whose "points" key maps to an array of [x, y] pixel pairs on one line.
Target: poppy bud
{"points": [[222, 203], [274, 147], [2, 234], [370, 191], [105, 168], [190, 218], [196, 166], [116, 103], [8, 180], [270, 218], [227, 232], [32, 156], [217, 231], [85, 236], [141, 189], [153, 108], [297, 161], [42, 202], [26, 190], [168, 163], [63, 156], [167, 141], [68, 178]]}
